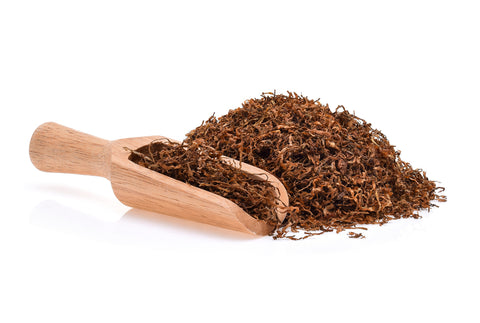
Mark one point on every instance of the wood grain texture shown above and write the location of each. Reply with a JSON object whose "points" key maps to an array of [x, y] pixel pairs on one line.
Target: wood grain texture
{"points": [[55, 148]]}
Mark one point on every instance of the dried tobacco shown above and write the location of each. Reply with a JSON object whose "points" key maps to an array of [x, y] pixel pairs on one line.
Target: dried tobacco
{"points": [[338, 170], [201, 166]]}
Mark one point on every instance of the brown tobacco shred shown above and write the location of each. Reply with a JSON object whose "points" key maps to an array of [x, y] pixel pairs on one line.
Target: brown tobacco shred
{"points": [[354, 235], [200, 166], [339, 172]]}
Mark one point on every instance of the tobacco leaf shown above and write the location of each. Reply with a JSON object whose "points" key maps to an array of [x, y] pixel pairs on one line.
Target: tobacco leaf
{"points": [[339, 172]]}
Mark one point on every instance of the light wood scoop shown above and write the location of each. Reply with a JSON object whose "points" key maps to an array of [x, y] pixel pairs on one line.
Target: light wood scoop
{"points": [[55, 148]]}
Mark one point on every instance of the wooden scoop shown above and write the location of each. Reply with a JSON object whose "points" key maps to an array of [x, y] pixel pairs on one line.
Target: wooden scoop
{"points": [[55, 148]]}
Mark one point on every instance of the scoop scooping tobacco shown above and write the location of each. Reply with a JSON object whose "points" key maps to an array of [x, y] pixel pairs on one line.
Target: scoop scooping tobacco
{"points": [[55, 148]]}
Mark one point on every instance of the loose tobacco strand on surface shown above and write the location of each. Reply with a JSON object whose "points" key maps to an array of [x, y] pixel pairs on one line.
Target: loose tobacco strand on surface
{"points": [[354, 235], [201, 166], [338, 170]]}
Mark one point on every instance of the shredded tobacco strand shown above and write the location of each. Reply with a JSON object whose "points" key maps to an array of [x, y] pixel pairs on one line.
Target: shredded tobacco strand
{"points": [[339, 172], [354, 235]]}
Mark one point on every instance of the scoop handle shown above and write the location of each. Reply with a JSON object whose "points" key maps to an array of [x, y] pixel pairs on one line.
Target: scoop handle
{"points": [[56, 148]]}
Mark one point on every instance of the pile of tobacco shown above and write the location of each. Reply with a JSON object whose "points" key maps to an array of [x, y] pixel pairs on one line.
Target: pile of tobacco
{"points": [[339, 172]]}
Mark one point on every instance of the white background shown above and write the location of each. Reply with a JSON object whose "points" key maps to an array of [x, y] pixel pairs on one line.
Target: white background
{"points": [[70, 252]]}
